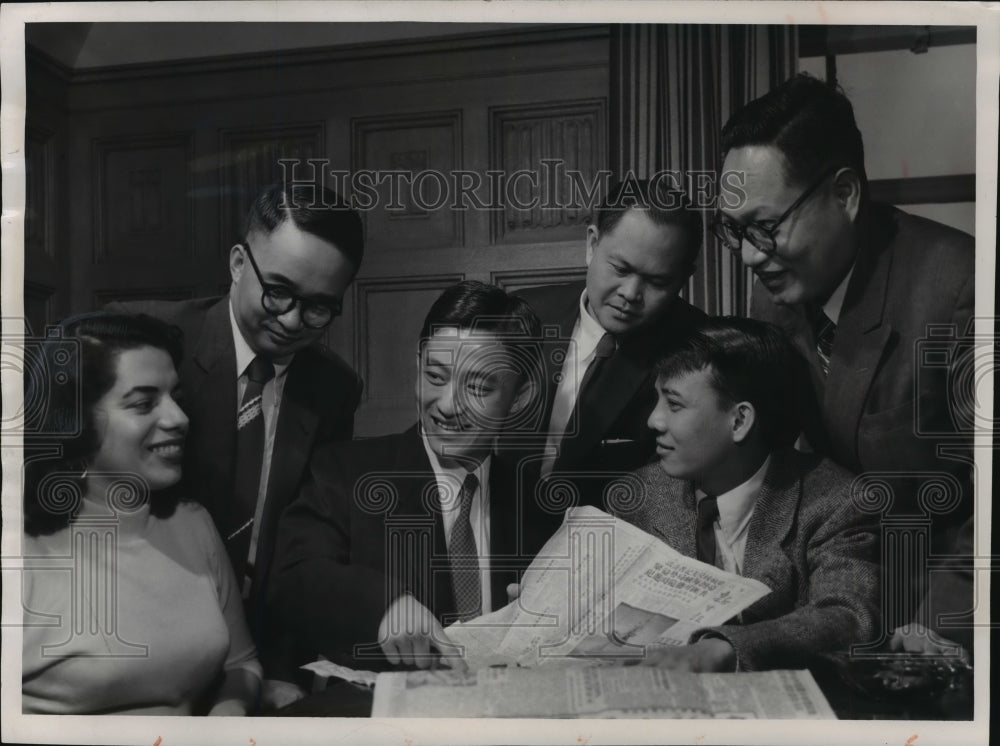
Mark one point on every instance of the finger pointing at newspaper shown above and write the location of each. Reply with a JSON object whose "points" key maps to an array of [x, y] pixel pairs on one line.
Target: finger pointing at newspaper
{"points": [[410, 635]]}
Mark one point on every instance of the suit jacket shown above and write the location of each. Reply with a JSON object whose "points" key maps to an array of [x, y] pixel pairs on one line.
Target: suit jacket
{"points": [[806, 542], [885, 404], [320, 396], [368, 528], [614, 437]]}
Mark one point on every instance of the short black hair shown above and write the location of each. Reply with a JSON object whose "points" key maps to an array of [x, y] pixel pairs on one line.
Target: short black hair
{"points": [[313, 208], [68, 386], [811, 122], [663, 204], [481, 307], [748, 360]]}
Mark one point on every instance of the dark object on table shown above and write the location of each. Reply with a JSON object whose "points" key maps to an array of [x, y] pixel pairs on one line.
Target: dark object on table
{"points": [[901, 685]]}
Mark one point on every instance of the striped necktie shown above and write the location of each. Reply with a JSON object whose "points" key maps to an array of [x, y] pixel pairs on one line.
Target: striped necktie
{"points": [[249, 459], [464, 556], [824, 341]]}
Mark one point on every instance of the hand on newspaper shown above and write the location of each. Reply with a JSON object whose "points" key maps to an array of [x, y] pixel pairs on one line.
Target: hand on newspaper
{"points": [[411, 635], [513, 591], [710, 654], [916, 638]]}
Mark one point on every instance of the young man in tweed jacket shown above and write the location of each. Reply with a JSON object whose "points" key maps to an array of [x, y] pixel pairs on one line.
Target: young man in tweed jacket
{"points": [[725, 418]]}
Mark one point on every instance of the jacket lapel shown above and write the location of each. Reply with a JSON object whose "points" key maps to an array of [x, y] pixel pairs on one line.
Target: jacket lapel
{"points": [[211, 384], [861, 338], [556, 349], [672, 514]]}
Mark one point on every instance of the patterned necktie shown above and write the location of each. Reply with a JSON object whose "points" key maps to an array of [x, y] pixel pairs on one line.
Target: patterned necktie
{"points": [[708, 511], [824, 342], [249, 459], [464, 557], [590, 385]]}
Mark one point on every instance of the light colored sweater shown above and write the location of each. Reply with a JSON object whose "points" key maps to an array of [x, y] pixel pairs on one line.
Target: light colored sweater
{"points": [[130, 614]]}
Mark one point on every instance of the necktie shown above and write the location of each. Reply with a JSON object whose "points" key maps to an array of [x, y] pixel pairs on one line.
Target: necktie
{"points": [[708, 511], [824, 341], [249, 458], [464, 557], [590, 386]]}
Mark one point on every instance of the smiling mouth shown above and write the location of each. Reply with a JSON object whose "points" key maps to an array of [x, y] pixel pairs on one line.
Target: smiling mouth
{"points": [[624, 311], [169, 449], [772, 276], [450, 427]]}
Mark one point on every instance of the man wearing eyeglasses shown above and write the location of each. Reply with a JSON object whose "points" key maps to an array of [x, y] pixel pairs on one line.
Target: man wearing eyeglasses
{"points": [[260, 391], [859, 287]]}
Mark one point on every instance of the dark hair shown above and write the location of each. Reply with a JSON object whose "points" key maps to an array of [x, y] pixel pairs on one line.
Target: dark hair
{"points": [[809, 121], [663, 205], [480, 307], [748, 360], [313, 208], [72, 369]]}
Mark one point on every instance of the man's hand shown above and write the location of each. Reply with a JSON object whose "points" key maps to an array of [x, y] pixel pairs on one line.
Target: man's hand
{"points": [[410, 634], [710, 654], [916, 638], [276, 694], [513, 591]]}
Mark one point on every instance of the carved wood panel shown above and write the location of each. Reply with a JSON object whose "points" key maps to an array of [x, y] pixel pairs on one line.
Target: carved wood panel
{"points": [[38, 188], [551, 156], [143, 206], [250, 161], [413, 159]]}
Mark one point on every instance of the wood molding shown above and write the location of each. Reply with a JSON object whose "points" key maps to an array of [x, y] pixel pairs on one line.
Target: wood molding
{"points": [[820, 40], [319, 55], [514, 280], [109, 295], [924, 189]]}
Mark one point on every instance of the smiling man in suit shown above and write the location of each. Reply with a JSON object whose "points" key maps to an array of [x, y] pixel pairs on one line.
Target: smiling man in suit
{"points": [[260, 391], [641, 250], [394, 537], [730, 491], [862, 289]]}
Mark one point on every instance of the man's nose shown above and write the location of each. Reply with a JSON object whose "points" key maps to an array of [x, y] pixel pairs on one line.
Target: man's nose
{"points": [[751, 255], [445, 402], [631, 289], [292, 318], [657, 420]]}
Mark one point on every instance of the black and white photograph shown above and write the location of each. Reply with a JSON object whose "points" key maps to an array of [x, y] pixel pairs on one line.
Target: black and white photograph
{"points": [[498, 372]]}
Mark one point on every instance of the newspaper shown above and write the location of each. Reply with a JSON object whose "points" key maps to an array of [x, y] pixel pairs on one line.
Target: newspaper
{"points": [[599, 692], [603, 589]]}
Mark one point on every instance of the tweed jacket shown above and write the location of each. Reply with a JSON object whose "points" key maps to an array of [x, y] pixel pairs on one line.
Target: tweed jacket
{"points": [[806, 542], [368, 528]]}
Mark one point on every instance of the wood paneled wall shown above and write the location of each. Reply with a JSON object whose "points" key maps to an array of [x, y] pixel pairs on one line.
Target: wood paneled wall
{"points": [[160, 162]]}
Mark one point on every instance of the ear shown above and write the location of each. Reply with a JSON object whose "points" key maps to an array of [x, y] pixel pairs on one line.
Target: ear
{"points": [[744, 416], [593, 238], [236, 262], [847, 184], [524, 396]]}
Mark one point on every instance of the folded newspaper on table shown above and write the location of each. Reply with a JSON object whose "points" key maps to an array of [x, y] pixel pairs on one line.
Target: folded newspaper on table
{"points": [[599, 692], [603, 589]]}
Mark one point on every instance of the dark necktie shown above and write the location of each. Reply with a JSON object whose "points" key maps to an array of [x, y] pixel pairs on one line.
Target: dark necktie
{"points": [[464, 557], [590, 385], [249, 458], [708, 511], [824, 341]]}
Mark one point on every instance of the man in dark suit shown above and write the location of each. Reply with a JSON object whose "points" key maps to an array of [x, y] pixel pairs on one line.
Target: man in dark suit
{"points": [[730, 491], [879, 301], [641, 250], [394, 537], [249, 440]]}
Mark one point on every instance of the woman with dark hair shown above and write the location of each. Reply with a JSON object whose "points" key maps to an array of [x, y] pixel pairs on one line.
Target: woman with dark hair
{"points": [[130, 604]]}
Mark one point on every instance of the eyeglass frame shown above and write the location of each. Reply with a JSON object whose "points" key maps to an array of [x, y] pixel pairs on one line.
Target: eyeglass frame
{"points": [[268, 288], [741, 231]]}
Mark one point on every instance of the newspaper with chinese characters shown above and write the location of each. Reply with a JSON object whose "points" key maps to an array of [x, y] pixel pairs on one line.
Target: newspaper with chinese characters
{"points": [[599, 692], [603, 589]]}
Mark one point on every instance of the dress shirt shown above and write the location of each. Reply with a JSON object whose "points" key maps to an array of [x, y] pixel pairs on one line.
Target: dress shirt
{"points": [[735, 511], [449, 482], [587, 332], [270, 404]]}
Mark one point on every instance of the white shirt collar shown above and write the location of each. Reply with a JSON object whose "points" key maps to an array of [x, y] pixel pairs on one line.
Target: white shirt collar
{"points": [[736, 505], [244, 353], [835, 302], [457, 473], [589, 330]]}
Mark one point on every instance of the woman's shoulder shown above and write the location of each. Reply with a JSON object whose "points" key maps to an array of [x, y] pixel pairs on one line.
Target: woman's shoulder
{"points": [[192, 517]]}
